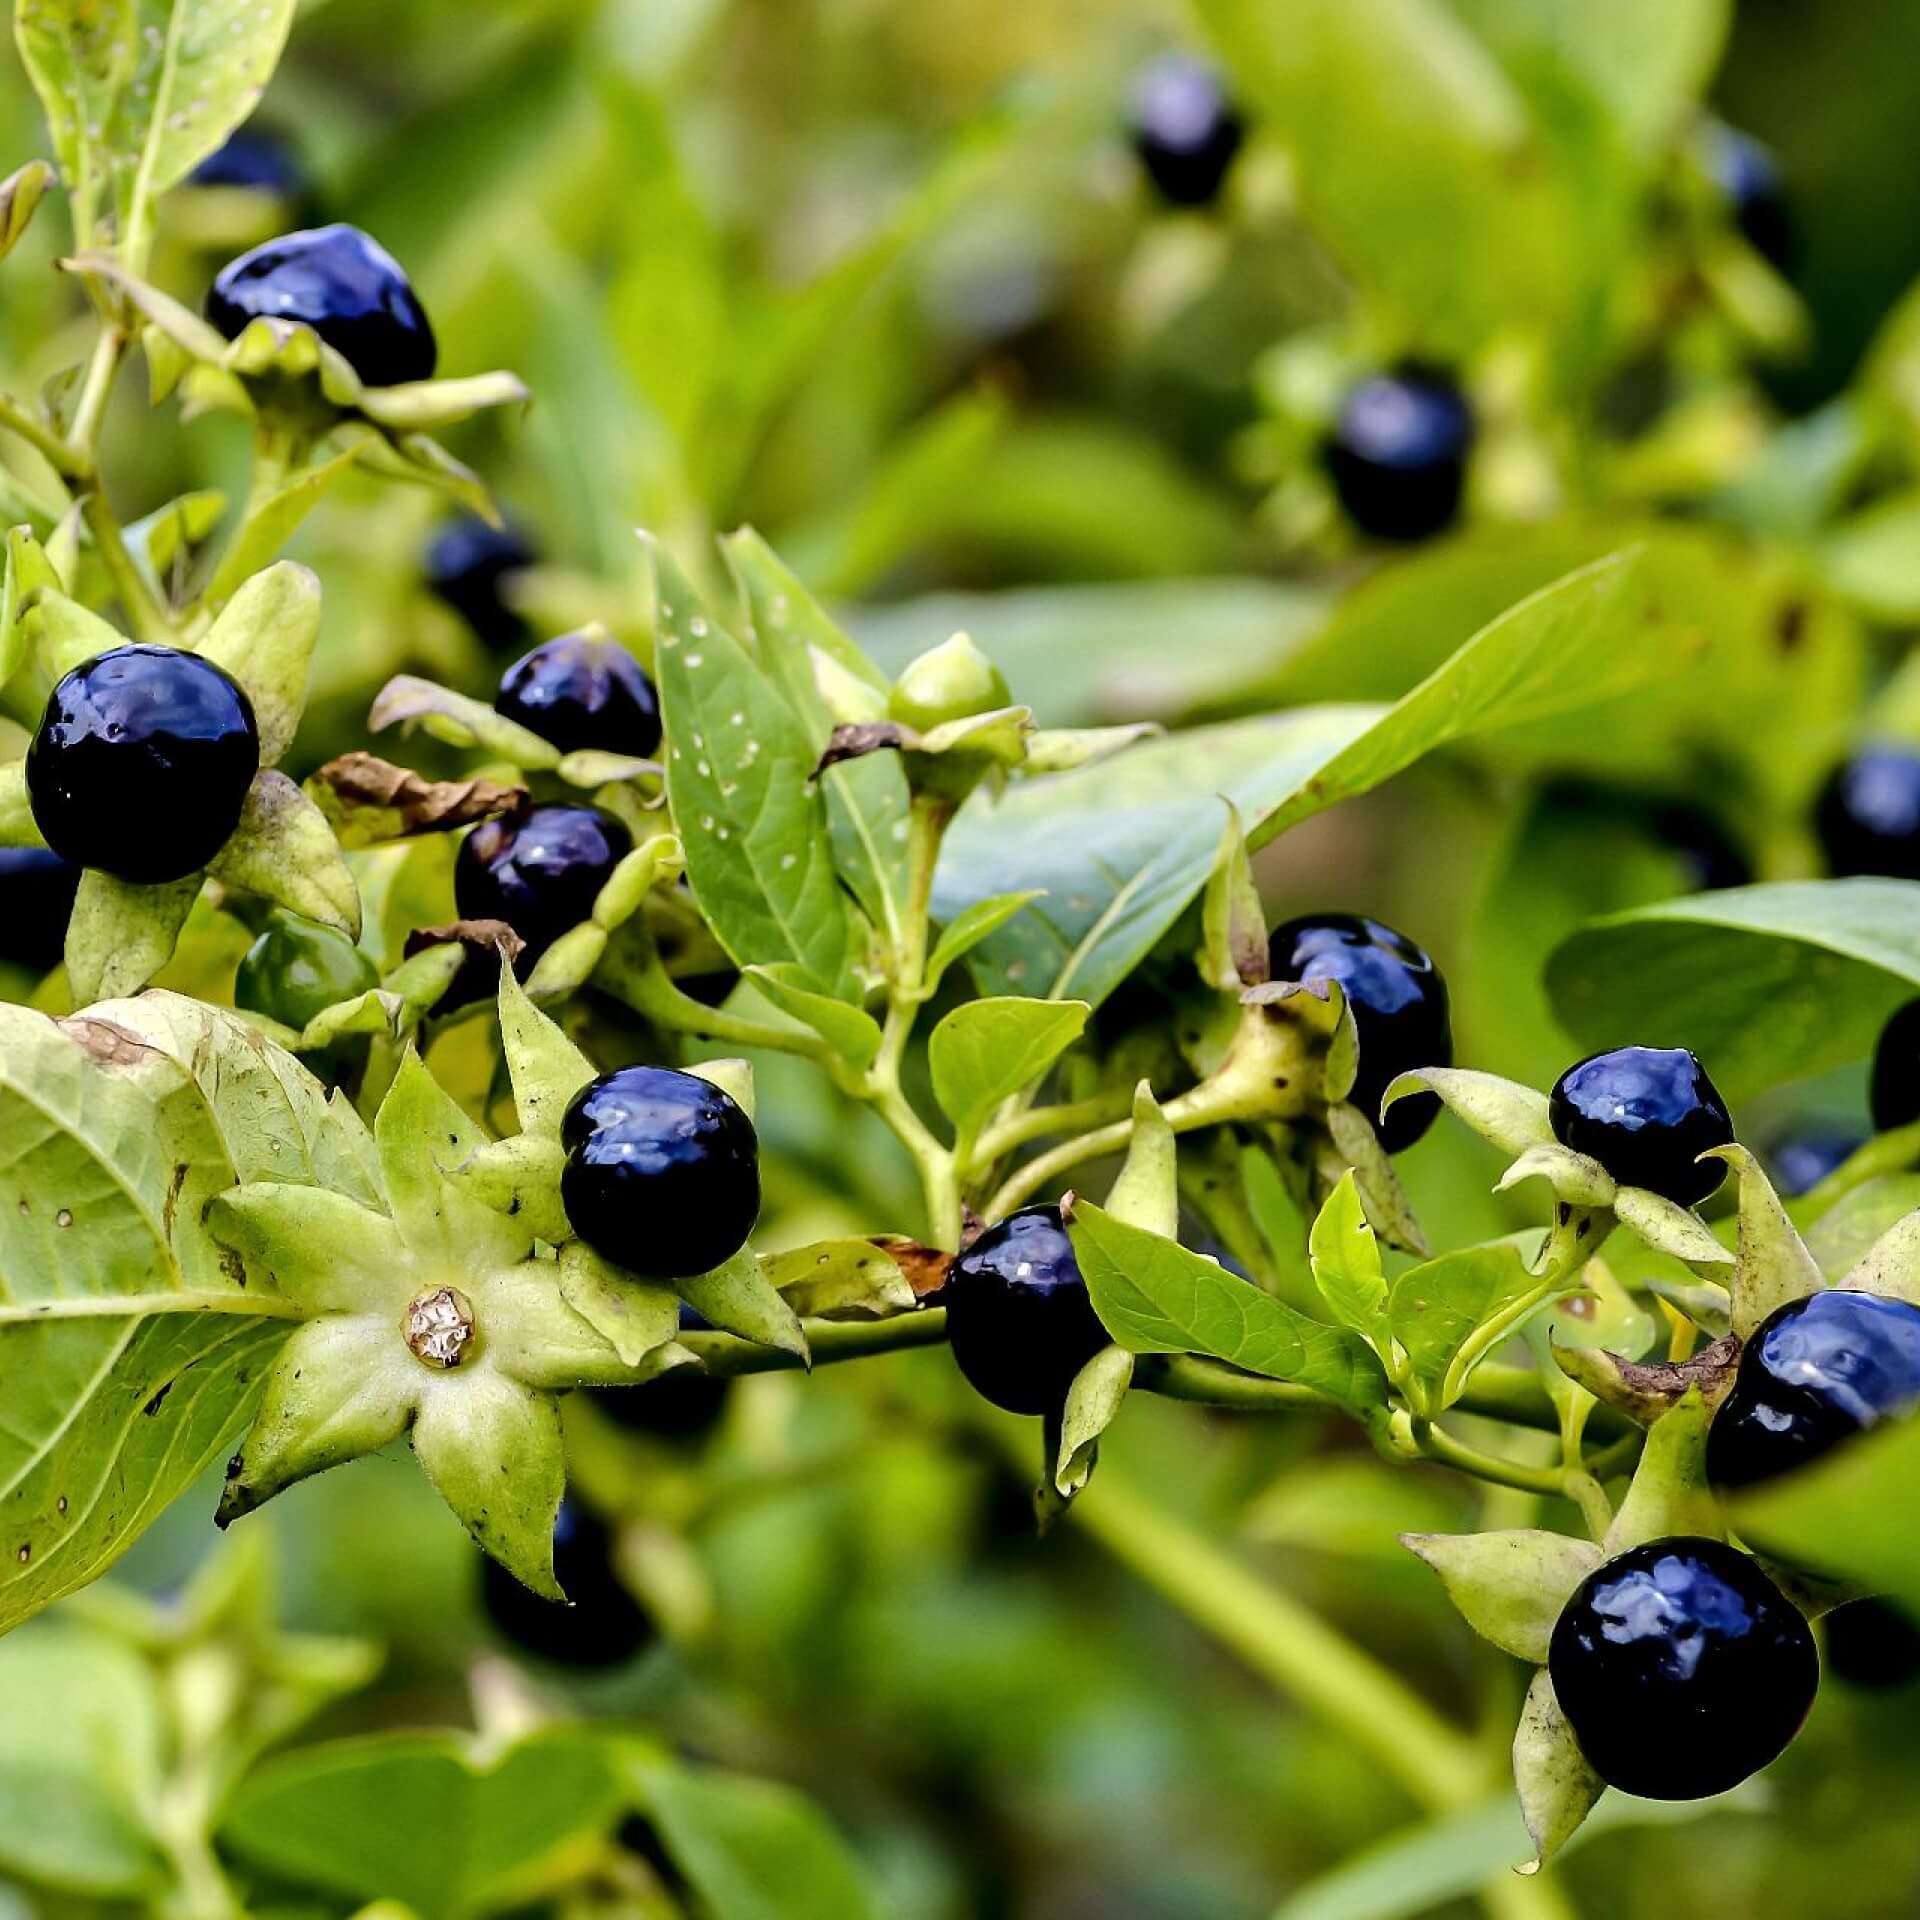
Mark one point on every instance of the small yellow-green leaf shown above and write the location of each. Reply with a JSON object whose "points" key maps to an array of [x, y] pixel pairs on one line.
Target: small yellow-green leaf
{"points": [[986, 1050]]}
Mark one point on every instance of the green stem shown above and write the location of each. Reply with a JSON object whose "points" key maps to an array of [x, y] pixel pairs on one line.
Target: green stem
{"points": [[149, 619], [1437, 1444], [643, 985], [95, 391], [1284, 1642], [829, 1340], [17, 420], [1075, 1116]]}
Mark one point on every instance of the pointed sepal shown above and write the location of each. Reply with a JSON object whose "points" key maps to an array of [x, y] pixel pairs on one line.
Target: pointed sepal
{"points": [[1509, 1587], [1670, 1494], [1503, 1112], [284, 851], [1557, 1788]]}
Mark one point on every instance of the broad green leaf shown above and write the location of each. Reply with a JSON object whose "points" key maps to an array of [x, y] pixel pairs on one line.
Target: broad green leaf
{"points": [[139, 92], [967, 929], [1436, 1308], [851, 1031], [1156, 1297], [866, 797], [81, 1755], [987, 1050], [845, 1277], [1122, 847], [133, 1345], [283, 850], [750, 818], [1766, 984], [752, 1849], [1417, 159], [1845, 1231], [1148, 649], [1146, 1191], [1345, 1258], [422, 1818]]}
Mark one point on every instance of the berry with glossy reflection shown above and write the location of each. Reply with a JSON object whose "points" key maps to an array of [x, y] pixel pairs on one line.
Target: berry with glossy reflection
{"points": [[296, 969], [1399, 1003], [345, 286], [1398, 453], [1748, 173], [1682, 1669], [1893, 1095], [604, 1626], [579, 692], [468, 563], [540, 872], [662, 1173], [1868, 814], [36, 902], [1872, 1644], [1185, 129], [142, 762], [1019, 1318], [1646, 1114], [1814, 1373]]}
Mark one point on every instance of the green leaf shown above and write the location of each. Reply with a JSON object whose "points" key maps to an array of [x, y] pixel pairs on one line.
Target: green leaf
{"points": [[987, 1050], [135, 1347], [1094, 1401], [1121, 848], [120, 935], [265, 637], [750, 819], [20, 194], [1416, 159], [1510, 1587], [546, 1068], [1146, 1191], [422, 1818], [1766, 983], [967, 929], [1233, 923], [634, 1316], [283, 850], [845, 1277], [1156, 1297], [850, 1031], [1345, 1258], [751, 1849], [460, 721], [1436, 1308], [81, 1755]]}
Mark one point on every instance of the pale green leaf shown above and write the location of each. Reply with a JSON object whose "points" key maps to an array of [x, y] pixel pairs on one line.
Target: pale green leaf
{"points": [[850, 1031], [986, 1050], [1557, 1787], [1510, 1587], [283, 850], [1345, 1258], [121, 934]]}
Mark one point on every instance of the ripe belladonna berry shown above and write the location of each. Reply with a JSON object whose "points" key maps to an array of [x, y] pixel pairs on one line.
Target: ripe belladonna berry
{"points": [[1185, 129], [253, 160], [603, 1626], [1018, 1316], [345, 286], [1868, 814], [468, 563], [662, 1173], [1748, 173], [1399, 1004], [36, 902], [1893, 1095], [1797, 1162], [142, 762], [295, 969], [579, 692], [1871, 1644], [540, 872], [1813, 1374], [1646, 1114], [1682, 1669], [1398, 453]]}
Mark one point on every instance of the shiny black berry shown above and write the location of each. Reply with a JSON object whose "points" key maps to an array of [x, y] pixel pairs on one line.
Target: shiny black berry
{"points": [[1185, 130], [1894, 1094], [1798, 1162], [1813, 1374], [1682, 1669], [1646, 1114], [1018, 1316], [468, 563], [253, 160], [604, 1626], [142, 763], [1868, 814], [579, 692], [1748, 173], [662, 1173], [683, 1404], [344, 285], [36, 901], [1871, 1644], [540, 873], [1399, 1004], [1398, 453]]}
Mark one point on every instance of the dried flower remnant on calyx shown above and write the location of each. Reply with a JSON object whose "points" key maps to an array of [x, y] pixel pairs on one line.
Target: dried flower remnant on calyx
{"points": [[439, 1327]]}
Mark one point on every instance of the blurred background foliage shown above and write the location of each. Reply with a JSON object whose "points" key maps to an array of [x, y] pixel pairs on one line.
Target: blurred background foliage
{"points": [[883, 278]]}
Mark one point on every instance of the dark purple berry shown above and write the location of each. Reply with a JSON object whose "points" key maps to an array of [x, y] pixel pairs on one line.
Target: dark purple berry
{"points": [[1398, 454], [1872, 1644], [580, 692], [601, 1624], [468, 564], [1646, 1114], [36, 902], [540, 872], [1185, 130], [1868, 814]]}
